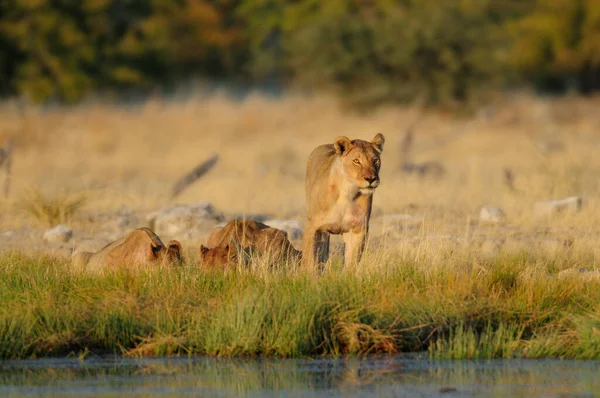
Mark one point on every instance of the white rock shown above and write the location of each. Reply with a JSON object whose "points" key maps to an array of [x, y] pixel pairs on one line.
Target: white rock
{"points": [[292, 227], [58, 234], [569, 205], [176, 219], [119, 223], [491, 214]]}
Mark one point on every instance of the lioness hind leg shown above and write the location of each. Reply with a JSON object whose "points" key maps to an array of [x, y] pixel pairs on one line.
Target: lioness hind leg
{"points": [[315, 248], [321, 248], [354, 245], [308, 249]]}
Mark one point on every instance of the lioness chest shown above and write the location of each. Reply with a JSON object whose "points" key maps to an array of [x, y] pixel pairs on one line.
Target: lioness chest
{"points": [[347, 214]]}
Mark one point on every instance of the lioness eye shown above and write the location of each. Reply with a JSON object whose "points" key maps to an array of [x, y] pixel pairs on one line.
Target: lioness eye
{"points": [[356, 161]]}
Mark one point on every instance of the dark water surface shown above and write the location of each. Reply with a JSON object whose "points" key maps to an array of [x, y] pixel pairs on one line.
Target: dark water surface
{"points": [[211, 377]]}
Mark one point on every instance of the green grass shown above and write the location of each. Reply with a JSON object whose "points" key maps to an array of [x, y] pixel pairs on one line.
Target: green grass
{"points": [[456, 307]]}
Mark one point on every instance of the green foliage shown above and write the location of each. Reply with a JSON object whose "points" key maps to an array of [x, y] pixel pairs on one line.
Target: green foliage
{"points": [[489, 343], [557, 45], [382, 50], [368, 52], [64, 49]]}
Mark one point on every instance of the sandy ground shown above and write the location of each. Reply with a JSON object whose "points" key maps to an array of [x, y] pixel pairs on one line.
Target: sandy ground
{"points": [[125, 160]]}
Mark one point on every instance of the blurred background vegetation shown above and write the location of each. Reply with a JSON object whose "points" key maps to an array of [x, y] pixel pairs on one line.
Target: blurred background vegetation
{"points": [[367, 51]]}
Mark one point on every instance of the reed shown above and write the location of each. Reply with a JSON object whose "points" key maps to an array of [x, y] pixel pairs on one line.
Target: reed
{"points": [[453, 306]]}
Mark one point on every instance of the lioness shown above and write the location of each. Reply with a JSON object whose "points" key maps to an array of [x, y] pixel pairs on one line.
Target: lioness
{"points": [[140, 247], [221, 258], [256, 235], [340, 181]]}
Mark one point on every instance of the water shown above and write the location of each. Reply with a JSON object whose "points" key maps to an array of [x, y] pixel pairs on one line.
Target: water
{"points": [[387, 377]]}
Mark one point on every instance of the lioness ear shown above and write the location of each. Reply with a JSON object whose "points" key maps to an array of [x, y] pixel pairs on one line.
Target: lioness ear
{"points": [[175, 245], [154, 250], [341, 144], [203, 249], [378, 142]]}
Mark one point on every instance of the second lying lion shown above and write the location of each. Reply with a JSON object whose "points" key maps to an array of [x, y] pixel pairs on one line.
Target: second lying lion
{"points": [[251, 237], [218, 258], [138, 248]]}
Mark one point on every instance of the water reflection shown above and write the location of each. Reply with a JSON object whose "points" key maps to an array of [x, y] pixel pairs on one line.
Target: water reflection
{"points": [[393, 376]]}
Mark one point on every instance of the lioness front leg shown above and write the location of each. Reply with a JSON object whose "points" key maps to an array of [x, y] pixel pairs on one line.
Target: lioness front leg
{"points": [[354, 245]]}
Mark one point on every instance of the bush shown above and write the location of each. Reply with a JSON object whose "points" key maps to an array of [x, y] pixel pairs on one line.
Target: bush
{"points": [[51, 211], [557, 45], [368, 52]]}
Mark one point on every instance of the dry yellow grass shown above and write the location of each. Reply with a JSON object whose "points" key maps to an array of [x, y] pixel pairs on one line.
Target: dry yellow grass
{"points": [[131, 155]]}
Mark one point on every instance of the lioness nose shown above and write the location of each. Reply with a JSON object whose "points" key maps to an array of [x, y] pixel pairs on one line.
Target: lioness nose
{"points": [[370, 179]]}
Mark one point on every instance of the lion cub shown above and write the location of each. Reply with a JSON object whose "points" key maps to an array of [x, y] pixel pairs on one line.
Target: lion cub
{"points": [[253, 237], [140, 247]]}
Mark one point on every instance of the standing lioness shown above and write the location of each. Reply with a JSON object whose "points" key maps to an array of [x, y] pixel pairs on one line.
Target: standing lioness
{"points": [[340, 181]]}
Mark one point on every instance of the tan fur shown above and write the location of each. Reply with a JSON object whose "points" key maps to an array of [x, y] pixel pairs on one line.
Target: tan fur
{"points": [[256, 235], [139, 248], [218, 258], [340, 181]]}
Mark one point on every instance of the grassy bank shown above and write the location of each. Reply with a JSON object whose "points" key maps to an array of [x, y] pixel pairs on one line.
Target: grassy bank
{"points": [[456, 307]]}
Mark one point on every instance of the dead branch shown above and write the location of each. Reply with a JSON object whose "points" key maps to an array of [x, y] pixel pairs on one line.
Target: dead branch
{"points": [[3, 156], [425, 169], [7, 163], [407, 142], [194, 175], [509, 178], [430, 168]]}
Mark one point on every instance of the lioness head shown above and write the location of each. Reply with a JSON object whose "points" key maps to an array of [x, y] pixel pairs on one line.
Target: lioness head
{"points": [[217, 257], [361, 160], [144, 246], [171, 255]]}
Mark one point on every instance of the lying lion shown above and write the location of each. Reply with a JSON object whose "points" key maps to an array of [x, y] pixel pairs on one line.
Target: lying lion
{"points": [[140, 247], [218, 258], [252, 237]]}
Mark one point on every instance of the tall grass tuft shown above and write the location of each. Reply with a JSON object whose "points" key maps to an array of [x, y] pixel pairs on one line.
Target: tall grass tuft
{"points": [[51, 210], [509, 307], [467, 342]]}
